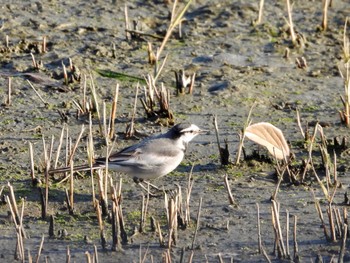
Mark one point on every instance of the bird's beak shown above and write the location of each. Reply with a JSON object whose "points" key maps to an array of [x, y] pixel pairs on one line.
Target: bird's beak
{"points": [[203, 132]]}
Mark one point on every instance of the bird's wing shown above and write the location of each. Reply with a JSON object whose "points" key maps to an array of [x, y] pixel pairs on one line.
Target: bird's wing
{"points": [[155, 152]]}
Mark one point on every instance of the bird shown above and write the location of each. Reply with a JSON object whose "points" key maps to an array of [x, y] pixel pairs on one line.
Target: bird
{"points": [[152, 158]]}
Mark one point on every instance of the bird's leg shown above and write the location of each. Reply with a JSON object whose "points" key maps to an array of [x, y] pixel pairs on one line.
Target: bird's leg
{"points": [[139, 182]]}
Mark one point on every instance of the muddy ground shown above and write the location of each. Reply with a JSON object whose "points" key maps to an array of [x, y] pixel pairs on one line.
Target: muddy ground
{"points": [[236, 63]]}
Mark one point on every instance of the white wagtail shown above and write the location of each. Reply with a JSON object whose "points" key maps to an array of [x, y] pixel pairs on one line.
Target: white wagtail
{"points": [[152, 158]]}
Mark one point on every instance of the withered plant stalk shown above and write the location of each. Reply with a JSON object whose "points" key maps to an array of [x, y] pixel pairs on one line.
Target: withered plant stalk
{"points": [[9, 91], [58, 152], [259, 228], [296, 249], [175, 21], [324, 15], [31, 156], [37, 93], [290, 24], [278, 228], [242, 134], [261, 7], [113, 113], [197, 222], [229, 193], [40, 249], [101, 226]]}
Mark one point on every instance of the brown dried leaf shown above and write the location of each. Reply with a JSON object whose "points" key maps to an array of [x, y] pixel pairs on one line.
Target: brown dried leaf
{"points": [[271, 137]]}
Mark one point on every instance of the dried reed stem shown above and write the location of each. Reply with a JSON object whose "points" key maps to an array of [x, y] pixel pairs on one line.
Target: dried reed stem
{"points": [[259, 228], [71, 188], [229, 193], [278, 227], [9, 92], [126, 17], [287, 234], [290, 23], [37, 93], [175, 21], [32, 170], [324, 15], [296, 250], [58, 152], [197, 223], [113, 113], [261, 7], [40, 249]]}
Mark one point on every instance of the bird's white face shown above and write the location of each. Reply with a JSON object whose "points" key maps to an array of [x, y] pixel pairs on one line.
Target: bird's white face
{"points": [[189, 133]]}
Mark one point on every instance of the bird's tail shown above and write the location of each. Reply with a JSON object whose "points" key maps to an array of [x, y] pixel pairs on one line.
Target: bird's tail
{"points": [[84, 167]]}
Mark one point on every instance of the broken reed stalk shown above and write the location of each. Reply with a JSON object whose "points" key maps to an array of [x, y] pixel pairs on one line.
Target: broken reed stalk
{"points": [[131, 130], [9, 92], [171, 206], [95, 254], [280, 178], [13, 204], [65, 75], [228, 188], [76, 145], [95, 103], [160, 235], [346, 47], [120, 228], [287, 234], [32, 169], [299, 124], [52, 227], [58, 152], [331, 223], [142, 219], [116, 245], [102, 193], [144, 209], [345, 114], [88, 257], [100, 224], [278, 228], [7, 42], [259, 228], [113, 113], [90, 153], [320, 215], [197, 223], [324, 15], [43, 45], [266, 255], [242, 134], [126, 19], [296, 250], [71, 188], [290, 23], [158, 70], [175, 21], [40, 249], [190, 183], [37, 93], [224, 154], [18, 221], [343, 244], [309, 160], [46, 174], [261, 7]]}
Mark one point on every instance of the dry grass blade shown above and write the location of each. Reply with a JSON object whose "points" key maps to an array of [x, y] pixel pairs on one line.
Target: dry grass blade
{"points": [[176, 20], [271, 137]]}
